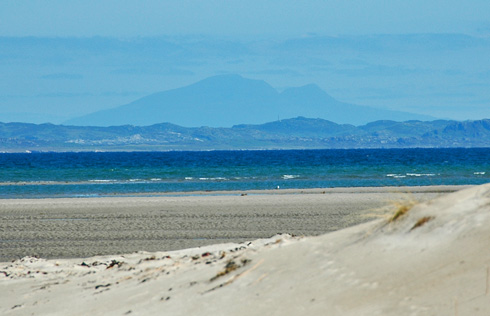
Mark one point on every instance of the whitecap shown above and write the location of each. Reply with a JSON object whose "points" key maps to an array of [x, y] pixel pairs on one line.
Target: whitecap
{"points": [[420, 174], [102, 180], [479, 172], [289, 176], [213, 179], [395, 175]]}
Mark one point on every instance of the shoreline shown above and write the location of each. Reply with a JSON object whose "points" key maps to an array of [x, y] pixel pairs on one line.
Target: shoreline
{"points": [[84, 227], [369, 189]]}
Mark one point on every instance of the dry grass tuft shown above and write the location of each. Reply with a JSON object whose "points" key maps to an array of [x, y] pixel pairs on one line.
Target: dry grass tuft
{"points": [[402, 208], [230, 266], [393, 210], [422, 221]]}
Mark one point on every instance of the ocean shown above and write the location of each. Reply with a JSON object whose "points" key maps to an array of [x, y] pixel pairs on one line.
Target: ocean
{"points": [[93, 174]]}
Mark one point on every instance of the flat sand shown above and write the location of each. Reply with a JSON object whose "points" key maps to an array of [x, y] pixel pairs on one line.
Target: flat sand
{"points": [[432, 260], [83, 227]]}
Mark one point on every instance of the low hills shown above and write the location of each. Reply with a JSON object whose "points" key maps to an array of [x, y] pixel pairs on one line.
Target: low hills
{"points": [[227, 100], [295, 133]]}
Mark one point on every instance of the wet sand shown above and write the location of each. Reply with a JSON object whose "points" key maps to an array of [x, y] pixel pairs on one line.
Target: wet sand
{"points": [[83, 227]]}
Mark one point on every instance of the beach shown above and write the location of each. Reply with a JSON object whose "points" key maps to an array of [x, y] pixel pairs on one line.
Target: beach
{"points": [[83, 227], [428, 258]]}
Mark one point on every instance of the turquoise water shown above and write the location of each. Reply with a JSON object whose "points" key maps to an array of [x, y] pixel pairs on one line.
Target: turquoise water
{"points": [[38, 175]]}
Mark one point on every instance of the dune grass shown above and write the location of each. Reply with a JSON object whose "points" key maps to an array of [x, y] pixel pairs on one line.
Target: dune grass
{"points": [[421, 222], [401, 209]]}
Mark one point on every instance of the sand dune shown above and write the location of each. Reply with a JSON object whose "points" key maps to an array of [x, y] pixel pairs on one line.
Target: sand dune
{"points": [[433, 260]]}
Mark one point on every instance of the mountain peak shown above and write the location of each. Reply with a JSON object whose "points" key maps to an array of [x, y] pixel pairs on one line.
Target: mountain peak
{"points": [[224, 79], [231, 82], [230, 99]]}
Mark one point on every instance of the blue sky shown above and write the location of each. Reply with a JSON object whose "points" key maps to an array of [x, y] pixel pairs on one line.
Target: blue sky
{"points": [[240, 18], [61, 59]]}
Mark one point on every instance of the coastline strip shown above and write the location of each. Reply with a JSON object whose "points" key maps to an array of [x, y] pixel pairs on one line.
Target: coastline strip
{"points": [[83, 227]]}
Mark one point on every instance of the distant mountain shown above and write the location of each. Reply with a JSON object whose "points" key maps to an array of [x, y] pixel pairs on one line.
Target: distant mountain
{"points": [[227, 100], [296, 133]]}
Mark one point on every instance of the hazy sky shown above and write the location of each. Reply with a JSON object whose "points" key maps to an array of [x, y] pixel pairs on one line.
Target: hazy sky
{"points": [[231, 17], [62, 59]]}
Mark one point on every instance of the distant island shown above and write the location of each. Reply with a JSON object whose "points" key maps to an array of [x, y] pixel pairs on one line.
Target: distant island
{"points": [[294, 133], [227, 100]]}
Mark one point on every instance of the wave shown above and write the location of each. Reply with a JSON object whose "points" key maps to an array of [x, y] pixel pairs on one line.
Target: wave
{"points": [[214, 179], [394, 175], [421, 174], [397, 175], [102, 180], [290, 176]]}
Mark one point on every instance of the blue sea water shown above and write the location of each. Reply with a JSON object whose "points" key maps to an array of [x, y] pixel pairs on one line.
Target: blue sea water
{"points": [[38, 175]]}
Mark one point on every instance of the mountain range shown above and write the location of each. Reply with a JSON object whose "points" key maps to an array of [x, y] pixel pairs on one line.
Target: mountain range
{"points": [[226, 100], [296, 133]]}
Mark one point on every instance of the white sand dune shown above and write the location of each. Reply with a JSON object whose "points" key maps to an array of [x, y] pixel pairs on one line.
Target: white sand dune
{"points": [[440, 266]]}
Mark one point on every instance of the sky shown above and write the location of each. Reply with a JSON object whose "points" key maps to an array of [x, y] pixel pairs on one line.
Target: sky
{"points": [[240, 18], [62, 59]]}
